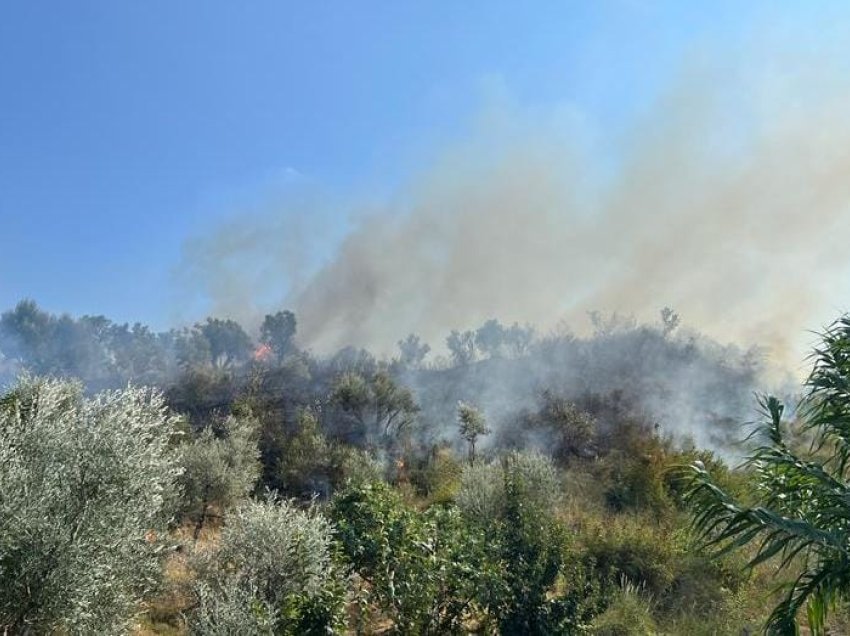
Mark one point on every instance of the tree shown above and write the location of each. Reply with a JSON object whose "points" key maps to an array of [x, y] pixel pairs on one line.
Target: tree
{"points": [[514, 501], [277, 333], [490, 338], [218, 470], [271, 573], [482, 493], [378, 406], [472, 426], [413, 351], [462, 346], [670, 320], [569, 431], [193, 349], [26, 332], [86, 487], [228, 342], [305, 465], [802, 512], [139, 355], [518, 339]]}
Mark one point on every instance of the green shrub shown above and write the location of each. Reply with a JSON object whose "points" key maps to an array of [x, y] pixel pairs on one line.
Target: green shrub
{"points": [[638, 483], [437, 475], [629, 613], [542, 588], [277, 560], [632, 548], [482, 495], [424, 571], [533, 551]]}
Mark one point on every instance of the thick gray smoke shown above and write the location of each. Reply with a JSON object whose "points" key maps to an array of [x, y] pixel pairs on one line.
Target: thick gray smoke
{"points": [[727, 201]]}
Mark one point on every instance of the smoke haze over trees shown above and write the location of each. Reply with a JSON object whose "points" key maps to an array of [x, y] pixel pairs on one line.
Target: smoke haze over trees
{"points": [[690, 386], [711, 205]]}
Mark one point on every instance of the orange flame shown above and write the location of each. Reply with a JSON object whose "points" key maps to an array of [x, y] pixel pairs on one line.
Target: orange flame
{"points": [[262, 353]]}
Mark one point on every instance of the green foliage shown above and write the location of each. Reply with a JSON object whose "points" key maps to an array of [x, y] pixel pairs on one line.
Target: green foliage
{"points": [[378, 406], [272, 572], [202, 393], [638, 482], [219, 469], [482, 494], [541, 588], [534, 549], [305, 464], [86, 486], [228, 342], [229, 607], [628, 614], [802, 514], [527, 549], [472, 426], [437, 475], [570, 430], [422, 570], [309, 465], [633, 549]]}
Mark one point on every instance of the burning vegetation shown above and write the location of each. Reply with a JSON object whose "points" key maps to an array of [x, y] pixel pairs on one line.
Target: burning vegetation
{"points": [[521, 483]]}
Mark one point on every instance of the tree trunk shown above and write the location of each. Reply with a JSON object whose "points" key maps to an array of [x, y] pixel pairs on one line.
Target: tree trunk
{"points": [[199, 526]]}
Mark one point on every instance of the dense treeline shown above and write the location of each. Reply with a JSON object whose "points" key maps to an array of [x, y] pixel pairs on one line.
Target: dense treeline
{"points": [[523, 484]]}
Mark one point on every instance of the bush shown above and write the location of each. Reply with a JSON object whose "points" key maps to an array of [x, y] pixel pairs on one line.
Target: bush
{"points": [[424, 571], [436, 475], [275, 561], [632, 549], [86, 487], [305, 466], [638, 483], [628, 614], [534, 551], [540, 589], [482, 495]]}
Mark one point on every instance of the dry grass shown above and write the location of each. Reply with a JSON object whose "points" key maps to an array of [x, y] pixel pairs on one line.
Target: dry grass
{"points": [[163, 615]]}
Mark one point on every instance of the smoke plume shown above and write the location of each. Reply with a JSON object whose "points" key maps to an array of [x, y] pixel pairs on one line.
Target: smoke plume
{"points": [[726, 200]]}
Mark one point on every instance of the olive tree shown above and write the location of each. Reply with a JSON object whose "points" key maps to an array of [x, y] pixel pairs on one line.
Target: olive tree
{"points": [[272, 572], [482, 494], [86, 487], [219, 469], [277, 332]]}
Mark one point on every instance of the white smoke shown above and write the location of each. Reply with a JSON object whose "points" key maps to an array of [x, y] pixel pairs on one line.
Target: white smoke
{"points": [[728, 201]]}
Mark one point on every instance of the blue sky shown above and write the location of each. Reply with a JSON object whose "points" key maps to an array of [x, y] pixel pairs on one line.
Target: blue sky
{"points": [[128, 127]]}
